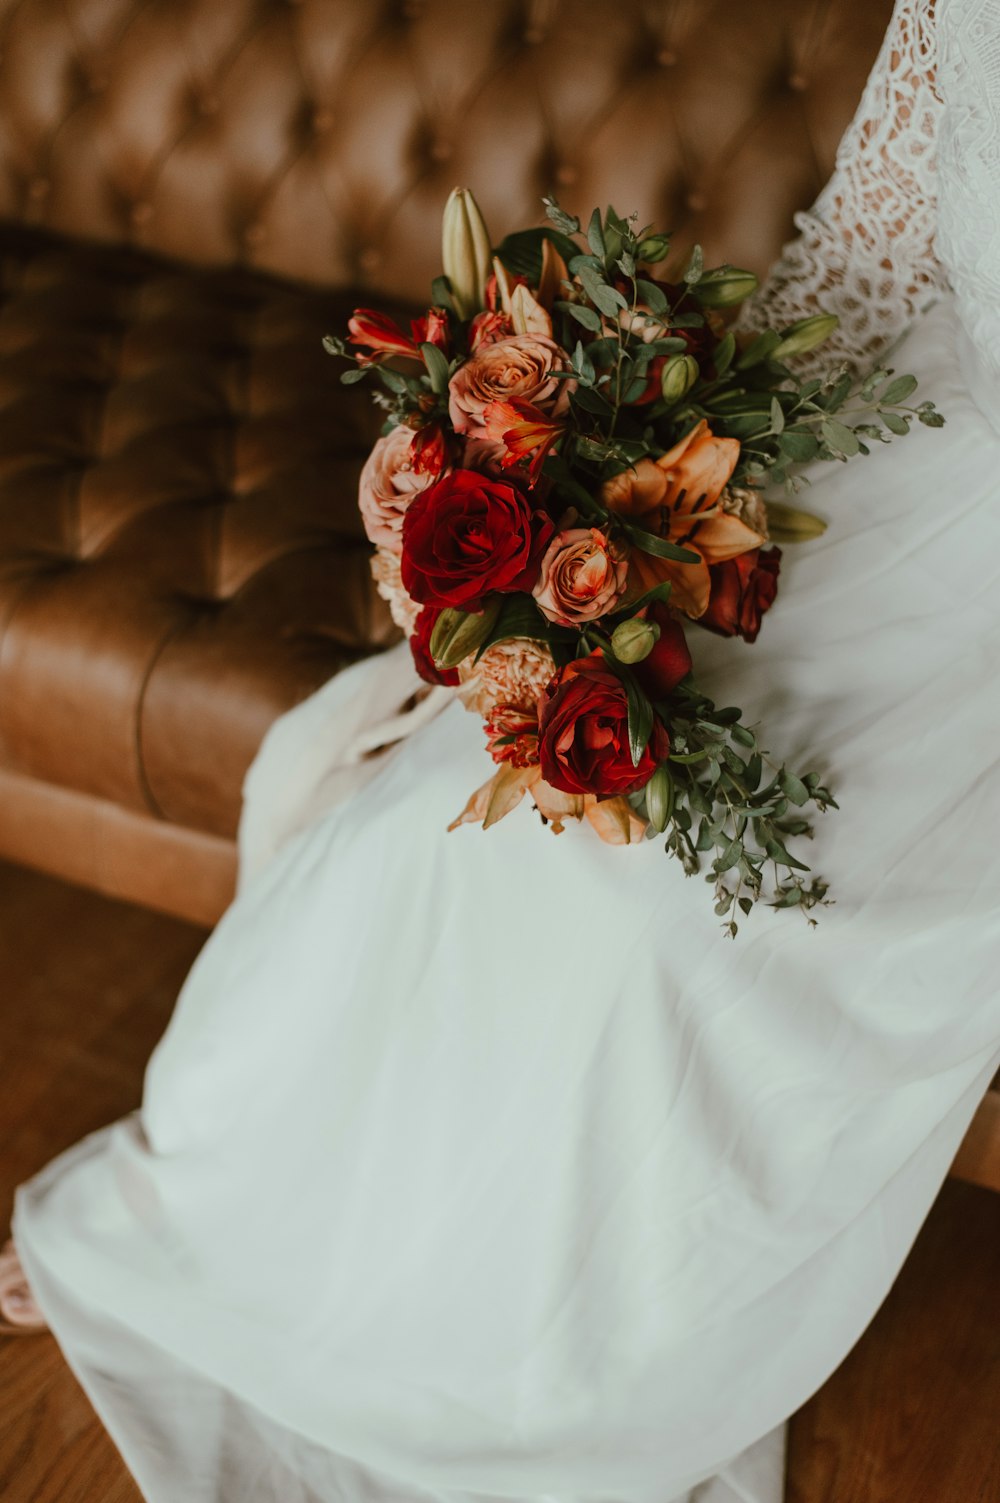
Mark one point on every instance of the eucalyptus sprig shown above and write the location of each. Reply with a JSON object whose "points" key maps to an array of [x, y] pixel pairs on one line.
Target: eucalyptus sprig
{"points": [[721, 801]]}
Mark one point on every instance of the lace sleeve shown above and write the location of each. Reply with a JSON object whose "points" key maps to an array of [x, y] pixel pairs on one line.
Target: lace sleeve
{"points": [[866, 249], [969, 207]]}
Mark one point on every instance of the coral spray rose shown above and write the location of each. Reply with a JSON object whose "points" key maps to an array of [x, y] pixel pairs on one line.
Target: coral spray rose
{"points": [[398, 469], [521, 367], [582, 576], [512, 735], [468, 536], [583, 733], [743, 589]]}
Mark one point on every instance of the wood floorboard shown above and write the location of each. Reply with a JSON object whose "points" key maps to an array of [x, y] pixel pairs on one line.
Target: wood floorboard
{"points": [[86, 988]]}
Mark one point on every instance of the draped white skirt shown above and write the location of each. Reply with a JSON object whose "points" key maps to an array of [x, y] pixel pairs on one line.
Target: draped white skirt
{"points": [[481, 1165]]}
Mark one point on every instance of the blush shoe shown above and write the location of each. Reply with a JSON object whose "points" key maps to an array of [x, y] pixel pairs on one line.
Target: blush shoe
{"points": [[19, 1314]]}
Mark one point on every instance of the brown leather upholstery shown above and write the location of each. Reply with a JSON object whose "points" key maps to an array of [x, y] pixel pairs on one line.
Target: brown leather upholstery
{"points": [[180, 556]]}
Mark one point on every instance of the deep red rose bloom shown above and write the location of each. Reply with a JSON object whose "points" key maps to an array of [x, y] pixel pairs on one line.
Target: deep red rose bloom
{"points": [[420, 646], [669, 661], [743, 589], [469, 535], [583, 733]]}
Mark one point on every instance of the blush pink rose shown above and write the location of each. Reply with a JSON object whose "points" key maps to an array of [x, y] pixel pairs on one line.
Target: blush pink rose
{"points": [[520, 366], [389, 481], [582, 577]]}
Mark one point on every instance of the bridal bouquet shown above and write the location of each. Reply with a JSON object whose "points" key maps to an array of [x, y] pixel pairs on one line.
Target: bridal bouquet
{"points": [[569, 476]]}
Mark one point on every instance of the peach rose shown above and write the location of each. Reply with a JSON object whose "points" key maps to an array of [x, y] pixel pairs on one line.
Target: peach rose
{"points": [[514, 672], [389, 482], [521, 366], [581, 577]]}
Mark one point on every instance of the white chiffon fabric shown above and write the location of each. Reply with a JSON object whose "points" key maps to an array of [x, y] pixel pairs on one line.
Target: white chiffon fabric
{"points": [[479, 1166]]}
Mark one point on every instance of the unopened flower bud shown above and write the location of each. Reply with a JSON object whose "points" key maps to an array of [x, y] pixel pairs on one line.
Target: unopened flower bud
{"points": [[465, 252], [654, 248], [805, 335], [678, 376], [724, 287], [633, 640], [457, 633], [660, 798]]}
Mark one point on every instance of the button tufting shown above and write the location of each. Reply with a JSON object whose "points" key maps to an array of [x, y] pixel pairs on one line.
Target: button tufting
{"points": [[440, 151], [370, 259], [696, 202], [798, 82], [666, 58], [141, 213], [566, 174], [253, 234], [533, 35], [208, 104], [39, 188], [322, 119], [98, 82]]}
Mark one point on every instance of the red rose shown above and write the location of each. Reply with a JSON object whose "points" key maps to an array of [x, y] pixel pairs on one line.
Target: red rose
{"points": [[467, 536], [420, 646], [583, 733], [743, 589], [669, 660]]}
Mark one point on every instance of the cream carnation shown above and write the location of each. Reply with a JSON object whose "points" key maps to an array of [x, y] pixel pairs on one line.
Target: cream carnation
{"points": [[385, 572], [510, 673]]}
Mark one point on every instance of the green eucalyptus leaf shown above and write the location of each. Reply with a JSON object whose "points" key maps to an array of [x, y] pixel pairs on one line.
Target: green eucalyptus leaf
{"points": [[437, 367], [799, 446], [898, 390], [595, 235], [582, 314], [840, 438], [793, 788]]}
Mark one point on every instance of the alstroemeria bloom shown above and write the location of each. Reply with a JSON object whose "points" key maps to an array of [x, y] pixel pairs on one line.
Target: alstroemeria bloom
{"points": [[385, 340], [678, 497], [526, 432]]}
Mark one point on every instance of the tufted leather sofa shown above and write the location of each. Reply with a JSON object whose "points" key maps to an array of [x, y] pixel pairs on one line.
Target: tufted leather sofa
{"points": [[191, 193]]}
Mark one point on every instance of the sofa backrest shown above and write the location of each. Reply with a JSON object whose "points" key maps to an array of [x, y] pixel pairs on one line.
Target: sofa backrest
{"points": [[318, 139]]}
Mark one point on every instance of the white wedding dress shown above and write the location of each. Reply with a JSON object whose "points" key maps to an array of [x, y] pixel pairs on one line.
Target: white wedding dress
{"points": [[482, 1166]]}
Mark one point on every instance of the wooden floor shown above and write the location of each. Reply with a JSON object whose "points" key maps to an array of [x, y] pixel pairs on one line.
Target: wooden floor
{"points": [[86, 988]]}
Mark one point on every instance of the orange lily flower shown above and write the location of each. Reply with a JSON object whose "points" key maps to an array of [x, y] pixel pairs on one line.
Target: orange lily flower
{"points": [[526, 432], [614, 819], [678, 498]]}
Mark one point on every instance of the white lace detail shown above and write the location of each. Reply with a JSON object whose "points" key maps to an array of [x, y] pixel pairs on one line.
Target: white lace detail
{"points": [[866, 248], [969, 154]]}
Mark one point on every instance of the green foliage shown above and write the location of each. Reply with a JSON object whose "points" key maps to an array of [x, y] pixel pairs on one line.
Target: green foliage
{"points": [[730, 809]]}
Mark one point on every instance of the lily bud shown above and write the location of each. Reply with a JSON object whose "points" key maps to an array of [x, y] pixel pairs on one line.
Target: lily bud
{"points": [[724, 287], [660, 798], [465, 252], [805, 335], [678, 376], [457, 633], [788, 524], [633, 640], [654, 248]]}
